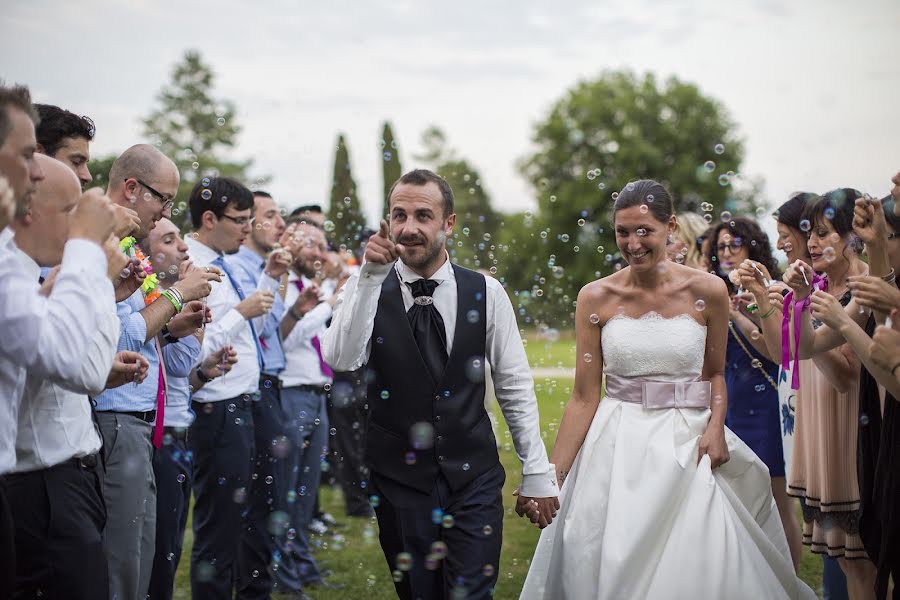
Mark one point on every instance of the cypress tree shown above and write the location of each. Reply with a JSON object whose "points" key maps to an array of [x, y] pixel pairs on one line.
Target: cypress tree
{"points": [[345, 218]]}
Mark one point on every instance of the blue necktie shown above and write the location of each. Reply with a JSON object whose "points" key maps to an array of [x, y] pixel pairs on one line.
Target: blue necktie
{"points": [[220, 262]]}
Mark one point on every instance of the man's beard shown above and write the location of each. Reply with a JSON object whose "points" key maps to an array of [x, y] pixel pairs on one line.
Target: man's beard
{"points": [[432, 252]]}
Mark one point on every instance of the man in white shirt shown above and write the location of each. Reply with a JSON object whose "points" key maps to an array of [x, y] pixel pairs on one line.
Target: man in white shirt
{"points": [[306, 380], [172, 462], [222, 436], [55, 488], [43, 334], [424, 327]]}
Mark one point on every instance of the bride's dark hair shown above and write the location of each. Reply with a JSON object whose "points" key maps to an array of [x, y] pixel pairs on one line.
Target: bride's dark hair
{"points": [[649, 193]]}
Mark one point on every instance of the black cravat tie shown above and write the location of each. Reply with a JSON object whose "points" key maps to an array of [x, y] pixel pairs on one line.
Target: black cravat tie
{"points": [[428, 327]]}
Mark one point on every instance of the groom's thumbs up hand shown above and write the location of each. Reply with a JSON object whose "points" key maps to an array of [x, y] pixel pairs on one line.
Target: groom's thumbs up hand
{"points": [[380, 249]]}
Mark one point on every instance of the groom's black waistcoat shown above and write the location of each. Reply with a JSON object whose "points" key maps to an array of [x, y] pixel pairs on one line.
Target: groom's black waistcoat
{"points": [[405, 401]]}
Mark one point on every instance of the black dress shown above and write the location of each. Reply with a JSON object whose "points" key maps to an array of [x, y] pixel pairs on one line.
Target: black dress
{"points": [[878, 462]]}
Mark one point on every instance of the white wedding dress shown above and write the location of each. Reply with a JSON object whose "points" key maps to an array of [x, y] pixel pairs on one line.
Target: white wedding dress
{"points": [[639, 518]]}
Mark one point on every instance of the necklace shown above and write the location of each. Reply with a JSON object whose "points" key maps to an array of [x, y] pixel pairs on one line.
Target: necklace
{"points": [[150, 285]]}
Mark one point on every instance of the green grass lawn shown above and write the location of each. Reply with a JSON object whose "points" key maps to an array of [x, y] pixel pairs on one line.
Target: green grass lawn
{"points": [[356, 558]]}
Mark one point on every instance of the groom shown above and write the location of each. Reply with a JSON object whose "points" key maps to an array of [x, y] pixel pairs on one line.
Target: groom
{"points": [[424, 327]]}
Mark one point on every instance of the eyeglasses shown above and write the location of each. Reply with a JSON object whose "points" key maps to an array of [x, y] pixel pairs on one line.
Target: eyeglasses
{"points": [[237, 220], [166, 202], [733, 246]]}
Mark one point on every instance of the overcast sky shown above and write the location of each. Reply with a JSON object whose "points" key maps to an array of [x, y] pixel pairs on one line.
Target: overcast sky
{"points": [[813, 84]]}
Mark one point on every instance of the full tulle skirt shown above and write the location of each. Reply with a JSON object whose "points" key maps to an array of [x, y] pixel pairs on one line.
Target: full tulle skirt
{"points": [[640, 518]]}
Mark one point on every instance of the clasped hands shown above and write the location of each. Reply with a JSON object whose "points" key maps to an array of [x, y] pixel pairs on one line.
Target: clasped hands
{"points": [[540, 511]]}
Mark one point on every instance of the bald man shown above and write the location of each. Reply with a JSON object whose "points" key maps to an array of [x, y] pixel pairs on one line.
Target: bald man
{"points": [[54, 489], [45, 334], [146, 181]]}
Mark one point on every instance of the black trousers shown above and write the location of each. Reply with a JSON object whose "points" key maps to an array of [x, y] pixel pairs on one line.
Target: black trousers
{"points": [[173, 468], [7, 545], [221, 441], [266, 533], [443, 544], [59, 519], [347, 415]]}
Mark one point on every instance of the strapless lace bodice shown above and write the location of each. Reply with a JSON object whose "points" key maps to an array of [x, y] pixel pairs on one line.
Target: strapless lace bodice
{"points": [[654, 347]]}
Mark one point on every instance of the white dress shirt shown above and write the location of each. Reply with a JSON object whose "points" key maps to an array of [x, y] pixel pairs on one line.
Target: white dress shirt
{"points": [[301, 361], [228, 327], [45, 335], [348, 344], [55, 422]]}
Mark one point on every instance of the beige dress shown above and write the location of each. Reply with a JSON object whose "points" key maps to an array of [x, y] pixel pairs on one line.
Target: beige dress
{"points": [[823, 468]]}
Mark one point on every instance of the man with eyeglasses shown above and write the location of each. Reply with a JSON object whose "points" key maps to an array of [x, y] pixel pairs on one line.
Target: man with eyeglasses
{"points": [[226, 556], [144, 180]]}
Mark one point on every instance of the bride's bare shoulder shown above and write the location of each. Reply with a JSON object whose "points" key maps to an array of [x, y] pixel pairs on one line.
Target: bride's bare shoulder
{"points": [[703, 284], [603, 287]]}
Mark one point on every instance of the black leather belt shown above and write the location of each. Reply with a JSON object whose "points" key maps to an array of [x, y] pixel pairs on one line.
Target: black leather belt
{"points": [[86, 462], [147, 416], [318, 389], [89, 462], [269, 382]]}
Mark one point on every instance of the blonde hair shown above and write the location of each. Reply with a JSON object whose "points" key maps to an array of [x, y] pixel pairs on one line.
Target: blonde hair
{"points": [[690, 227]]}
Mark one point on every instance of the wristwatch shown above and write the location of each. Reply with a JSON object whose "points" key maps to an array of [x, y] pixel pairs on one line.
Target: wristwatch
{"points": [[167, 335], [203, 376]]}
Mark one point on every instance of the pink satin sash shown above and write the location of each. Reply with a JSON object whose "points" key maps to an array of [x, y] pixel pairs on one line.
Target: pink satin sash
{"points": [[818, 283], [659, 394]]}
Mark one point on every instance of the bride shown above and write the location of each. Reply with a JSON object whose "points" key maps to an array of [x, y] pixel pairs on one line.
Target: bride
{"points": [[659, 499]]}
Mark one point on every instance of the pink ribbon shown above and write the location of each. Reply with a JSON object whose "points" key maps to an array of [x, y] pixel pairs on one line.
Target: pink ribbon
{"points": [[317, 343], [818, 283], [659, 394], [159, 426]]}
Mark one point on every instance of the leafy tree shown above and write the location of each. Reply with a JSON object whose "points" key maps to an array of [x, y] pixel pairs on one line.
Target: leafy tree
{"points": [[391, 169], [345, 219], [99, 167], [195, 129], [476, 220], [599, 136]]}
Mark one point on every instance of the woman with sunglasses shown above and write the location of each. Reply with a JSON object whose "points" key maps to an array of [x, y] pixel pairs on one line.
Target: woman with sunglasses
{"points": [[750, 373]]}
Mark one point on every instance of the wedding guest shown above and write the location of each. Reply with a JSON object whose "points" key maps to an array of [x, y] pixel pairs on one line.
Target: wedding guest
{"points": [[144, 179], [44, 334], [172, 461], [750, 373], [66, 137], [687, 240], [222, 438], [55, 487], [307, 381], [823, 473]]}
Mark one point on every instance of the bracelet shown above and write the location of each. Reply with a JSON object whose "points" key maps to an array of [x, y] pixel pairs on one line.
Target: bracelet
{"points": [[295, 316], [178, 295], [171, 297], [203, 376], [768, 313], [890, 277], [167, 335]]}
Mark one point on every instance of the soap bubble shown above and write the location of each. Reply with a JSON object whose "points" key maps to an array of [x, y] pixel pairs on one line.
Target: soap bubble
{"points": [[719, 149], [700, 305], [421, 435]]}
